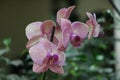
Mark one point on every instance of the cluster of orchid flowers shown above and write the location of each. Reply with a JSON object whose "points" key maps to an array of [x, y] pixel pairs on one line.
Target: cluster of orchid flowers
{"points": [[48, 40]]}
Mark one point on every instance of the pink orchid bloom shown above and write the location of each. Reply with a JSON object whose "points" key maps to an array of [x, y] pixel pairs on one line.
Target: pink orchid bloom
{"points": [[93, 26], [74, 32], [36, 30], [64, 13], [46, 56]]}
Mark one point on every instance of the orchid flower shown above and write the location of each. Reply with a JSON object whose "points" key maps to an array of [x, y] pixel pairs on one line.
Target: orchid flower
{"points": [[36, 30], [50, 55], [46, 56], [93, 26], [62, 13], [74, 32]]}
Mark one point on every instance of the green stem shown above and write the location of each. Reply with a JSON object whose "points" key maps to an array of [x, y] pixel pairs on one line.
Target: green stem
{"points": [[43, 76]]}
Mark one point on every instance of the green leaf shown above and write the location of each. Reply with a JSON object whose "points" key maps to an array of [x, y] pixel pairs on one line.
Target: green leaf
{"points": [[7, 41], [16, 62]]}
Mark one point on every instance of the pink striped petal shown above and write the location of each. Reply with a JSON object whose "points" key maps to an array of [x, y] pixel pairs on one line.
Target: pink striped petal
{"points": [[49, 46], [34, 40], [33, 29], [65, 37], [80, 29], [68, 12], [46, 27], [61, 58], [90, 16], [64, 13], [97, 28], [66, 30], [94, 16], [66, 24], [60, 46], [38, 53], [39, 68], [57, 69], [64, 41], [96, 31], [60, 14]]}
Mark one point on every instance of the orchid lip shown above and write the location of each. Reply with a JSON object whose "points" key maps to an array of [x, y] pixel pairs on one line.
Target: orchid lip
{"points": [[75, 40], [53, 58], [74, 36]]}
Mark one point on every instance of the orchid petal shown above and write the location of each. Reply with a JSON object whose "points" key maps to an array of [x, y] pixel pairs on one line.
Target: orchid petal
{"points": [[60, 46], [80, 29], [66, 24], [89, 23], [94, 15], [90, 16], [64, 41], [68, 12], [38, 52], [34, 40], [96, 31], [55, 39], [49, 46], [39, 68], [33, 29], [66, 30], [64, 13], [57, 69], [47, 26], [65, 37], [61, 58], [60, 14]]}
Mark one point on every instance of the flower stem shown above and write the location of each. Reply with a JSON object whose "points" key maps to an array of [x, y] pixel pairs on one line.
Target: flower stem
{"points": [[52, 35], [43, 76]]}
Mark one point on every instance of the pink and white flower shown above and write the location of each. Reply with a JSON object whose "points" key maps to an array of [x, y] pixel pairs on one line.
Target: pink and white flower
{"points": [[36, 30], [46, 56], [50, 55], [93, 26], [74, 32]]}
